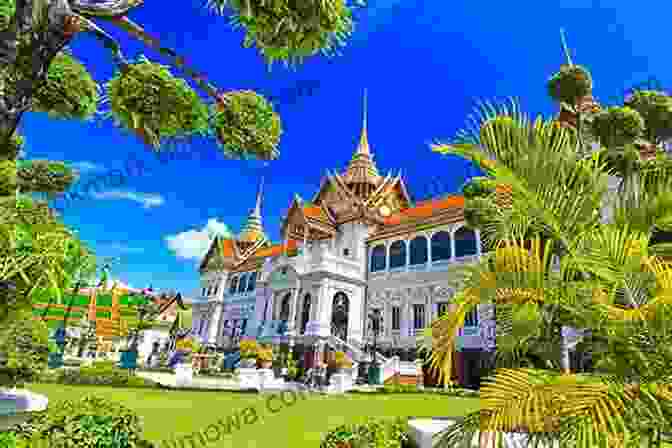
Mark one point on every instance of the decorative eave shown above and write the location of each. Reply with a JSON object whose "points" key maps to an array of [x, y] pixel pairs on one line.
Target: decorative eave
{"points": [[215, 245], [343, 188], [404, 190], [250, 252], [295, 207], [379, 193], [449, 216]]}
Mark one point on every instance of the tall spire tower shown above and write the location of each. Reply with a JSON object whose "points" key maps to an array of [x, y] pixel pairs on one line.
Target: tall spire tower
{"points": [[253, 229], [362, 174]]}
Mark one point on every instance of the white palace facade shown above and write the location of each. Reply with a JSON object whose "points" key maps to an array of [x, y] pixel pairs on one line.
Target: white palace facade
{"points": [[358, 245]]}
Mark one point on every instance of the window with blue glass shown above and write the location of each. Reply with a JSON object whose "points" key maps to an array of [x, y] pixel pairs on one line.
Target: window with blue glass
{"points": [[471, 319], [234, 284], [398, 254], [441, 246], [465, 242], [252, 282], [242, 286], [419, 250], [378, 258]]}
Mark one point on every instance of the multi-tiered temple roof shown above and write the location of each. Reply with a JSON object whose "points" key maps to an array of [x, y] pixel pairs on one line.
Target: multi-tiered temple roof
{"points": [[359, 193]]}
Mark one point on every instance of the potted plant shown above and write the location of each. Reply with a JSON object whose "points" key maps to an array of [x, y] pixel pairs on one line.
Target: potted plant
{"points": [[248, 353], [341, 362], [265, 357]]}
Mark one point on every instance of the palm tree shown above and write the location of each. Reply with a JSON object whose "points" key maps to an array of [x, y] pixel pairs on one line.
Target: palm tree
{"points": [[555, 262]]}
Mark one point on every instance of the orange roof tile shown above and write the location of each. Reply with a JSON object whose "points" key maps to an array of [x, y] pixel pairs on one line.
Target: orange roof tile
{"points": [[316, 212], [425, 209], [226, 247], [275, 249]]}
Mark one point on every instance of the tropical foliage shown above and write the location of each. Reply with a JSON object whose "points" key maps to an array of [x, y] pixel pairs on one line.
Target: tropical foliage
{"points": [[565, 252]]}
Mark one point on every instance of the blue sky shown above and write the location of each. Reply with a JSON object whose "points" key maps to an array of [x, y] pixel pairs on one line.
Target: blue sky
{"points": [[424, 64]]}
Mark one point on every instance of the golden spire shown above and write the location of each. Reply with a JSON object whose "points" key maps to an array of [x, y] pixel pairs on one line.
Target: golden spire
{"points": [[363, 148], [362, 174], [253, 229]]}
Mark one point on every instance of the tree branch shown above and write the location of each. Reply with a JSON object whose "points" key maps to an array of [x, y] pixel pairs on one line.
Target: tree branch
{"points": [[107, 8], [108, 41], [139, 33]]}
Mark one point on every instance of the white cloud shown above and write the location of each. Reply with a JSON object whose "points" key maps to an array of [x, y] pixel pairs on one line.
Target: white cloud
{"points": [[146, 199], [86, 167], [194, 244]]}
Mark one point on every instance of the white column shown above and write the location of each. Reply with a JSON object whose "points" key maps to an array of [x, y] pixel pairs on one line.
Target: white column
{"points": [[214, 319], [324, 309], [291, 323], [479, 249], [387, 257], [403, 317], [452, 246], [429, 310], [408, 254], [429, 249]]}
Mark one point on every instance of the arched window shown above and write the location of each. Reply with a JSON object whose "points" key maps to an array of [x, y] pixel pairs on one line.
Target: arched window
{"points": [[252, 282], [243, 283], [465, 242], [284, 307], [378, 258], [305, 313], [419, 250], [234, 284], [441, 246], [398, 254]]}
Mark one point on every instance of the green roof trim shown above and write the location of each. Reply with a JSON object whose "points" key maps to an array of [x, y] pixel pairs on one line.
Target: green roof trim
{"points": [[103, 315]]}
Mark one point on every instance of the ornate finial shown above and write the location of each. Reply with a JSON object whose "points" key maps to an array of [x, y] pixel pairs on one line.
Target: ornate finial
{"points": [[260, 192], [253, 229], [564, 47], [364, 140]]}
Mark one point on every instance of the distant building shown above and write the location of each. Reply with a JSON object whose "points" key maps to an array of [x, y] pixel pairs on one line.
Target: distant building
{"points": [[112, 307]]}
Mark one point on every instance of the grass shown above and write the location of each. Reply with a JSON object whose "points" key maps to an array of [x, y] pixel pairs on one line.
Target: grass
{"points": [[169, 414]]}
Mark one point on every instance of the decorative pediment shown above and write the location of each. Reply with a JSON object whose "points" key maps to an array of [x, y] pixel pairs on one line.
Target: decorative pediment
{"points": [[220, 253]]}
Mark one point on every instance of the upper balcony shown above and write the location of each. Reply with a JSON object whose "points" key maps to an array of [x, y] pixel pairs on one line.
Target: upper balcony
{"points": [[424, 253]]}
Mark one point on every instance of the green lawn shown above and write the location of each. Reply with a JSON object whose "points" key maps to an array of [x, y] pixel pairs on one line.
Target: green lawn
{"points": [[170, 414]]}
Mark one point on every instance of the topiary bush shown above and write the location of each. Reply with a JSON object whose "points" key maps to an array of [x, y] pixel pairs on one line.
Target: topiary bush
{"points": [[11, 150], [69, 91], [656, 110], [44, 176], [148, 100], [8, 177], [372, 434], [24, 347], [570, 84], [290, 31], [101, 374], [617, 126], [90, 422], [7, 10], [245, 122]]}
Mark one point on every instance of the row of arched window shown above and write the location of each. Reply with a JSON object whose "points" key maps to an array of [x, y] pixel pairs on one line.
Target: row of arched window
{"points": [[418, 250], [305, 310], [245, 282], [210, 290]]}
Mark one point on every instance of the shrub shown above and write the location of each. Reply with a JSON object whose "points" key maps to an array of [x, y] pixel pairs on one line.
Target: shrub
{"points": [[248, 349], [656, 110], [617, 126], [570, 84], [90, 422], [372, 434], [102, 373], [24, 347]]}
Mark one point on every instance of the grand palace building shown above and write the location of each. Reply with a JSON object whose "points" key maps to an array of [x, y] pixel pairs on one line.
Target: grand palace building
{"points": [[359, 245]]}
